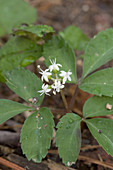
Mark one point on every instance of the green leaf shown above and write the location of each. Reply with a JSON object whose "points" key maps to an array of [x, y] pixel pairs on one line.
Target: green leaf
{"points": [[59, 49], [99, 83], [21, 47], [97, 106], [18, 51], [14, 13], [36, 134], [98, 52], [8, 109], [75, 37], [35, 32], [24, 83], [68, 138], [102, 130]]}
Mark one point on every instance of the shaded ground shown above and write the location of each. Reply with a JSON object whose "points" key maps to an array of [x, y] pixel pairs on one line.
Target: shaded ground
{"points": [[91, 16]]}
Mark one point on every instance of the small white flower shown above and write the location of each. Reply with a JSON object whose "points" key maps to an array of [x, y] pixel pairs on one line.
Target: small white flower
{"points": [[54, 66], [45, 74], [57, 86], [54, 92], [65, 75], [45, 90]]}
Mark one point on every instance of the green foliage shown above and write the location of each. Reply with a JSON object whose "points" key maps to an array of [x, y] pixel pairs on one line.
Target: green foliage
{"points": [[35, 32], [59, 49], [22, 50], [99, 83], [24, 83], [98, 52], [102, 130], [14, 13], [96, 106], [36, 134], [10, 109], [68, 138], [75, 37], [18, 51]]}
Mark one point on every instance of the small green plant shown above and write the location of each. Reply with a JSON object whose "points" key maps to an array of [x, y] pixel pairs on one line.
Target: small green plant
{"points": [[32, 42]]}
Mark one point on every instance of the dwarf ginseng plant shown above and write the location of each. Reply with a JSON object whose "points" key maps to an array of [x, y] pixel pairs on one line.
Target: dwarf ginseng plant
{"points": [[32, 42]]}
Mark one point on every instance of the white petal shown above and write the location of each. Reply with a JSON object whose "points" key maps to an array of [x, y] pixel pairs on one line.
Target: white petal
{"points": [[62, 86], [47, 94], [42, 78], [54, 92], [46, 78], [69, 73], [59, 65], [46, 70], [48, 90], [56, 67], [53, 86], [58, 90], [63, 73], [69, 78], [40, 91], [64, 80], [41, 94], [51, 68], [40, 72]]}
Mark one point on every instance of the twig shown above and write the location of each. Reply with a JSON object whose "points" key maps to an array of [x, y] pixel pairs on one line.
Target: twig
{"points": [[87, 147], [85, 158], [57, 111], [73, 99], [64, 100], [10, 164], [100, 158], [89, 160]]}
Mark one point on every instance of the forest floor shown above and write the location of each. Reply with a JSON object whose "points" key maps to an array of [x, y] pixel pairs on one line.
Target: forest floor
{"points": [[91, 16]]}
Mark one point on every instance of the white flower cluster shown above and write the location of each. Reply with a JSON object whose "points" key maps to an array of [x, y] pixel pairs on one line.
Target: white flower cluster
{"points": [[52, 74]]}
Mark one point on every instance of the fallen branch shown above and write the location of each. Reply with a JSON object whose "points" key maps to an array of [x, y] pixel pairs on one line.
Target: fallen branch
{"points": [[87, 159], [10, 164], [90, 160], [87, 147]]}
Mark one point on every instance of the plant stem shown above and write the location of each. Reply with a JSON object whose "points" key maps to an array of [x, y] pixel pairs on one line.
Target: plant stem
{"points": [[64, 100], [73, 99]]}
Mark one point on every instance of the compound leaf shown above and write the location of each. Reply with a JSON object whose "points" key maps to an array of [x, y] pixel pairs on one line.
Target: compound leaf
{"points": [[68, 138], [24, 83], [9, 108], [102, 130], [98, 52], [99, 83], [97, 106], [36, 134]]}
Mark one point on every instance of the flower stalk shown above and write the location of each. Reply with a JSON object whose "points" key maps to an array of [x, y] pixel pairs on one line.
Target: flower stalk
{"points": [[64, 100]]}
